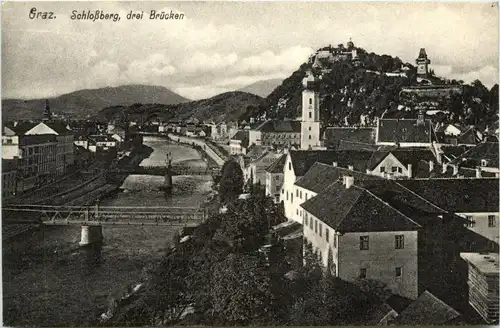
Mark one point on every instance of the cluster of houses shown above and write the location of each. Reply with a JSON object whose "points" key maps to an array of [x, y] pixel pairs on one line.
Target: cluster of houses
{"points": [[407, 203], [35, 153]]}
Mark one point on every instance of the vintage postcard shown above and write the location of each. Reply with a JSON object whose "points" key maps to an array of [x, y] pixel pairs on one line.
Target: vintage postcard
{"points": [[250, 163]]}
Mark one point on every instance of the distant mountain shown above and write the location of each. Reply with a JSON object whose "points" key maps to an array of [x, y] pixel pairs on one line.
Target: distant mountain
{"points": [[262, 88], [83, 103], [229, 106]]}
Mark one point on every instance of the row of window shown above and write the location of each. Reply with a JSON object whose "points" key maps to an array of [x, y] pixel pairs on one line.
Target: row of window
{"points": [[492, 221], [394, 169], [317, 226], [298, 193], [364, 242], [398, 272]]}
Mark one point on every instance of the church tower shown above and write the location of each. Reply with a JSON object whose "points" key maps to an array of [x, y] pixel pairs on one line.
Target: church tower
{"points": [[422, 64], [310, 124], [47, 115]]}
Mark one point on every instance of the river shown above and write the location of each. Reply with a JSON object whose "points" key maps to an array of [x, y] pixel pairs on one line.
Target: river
{"points": [[50, 281]]}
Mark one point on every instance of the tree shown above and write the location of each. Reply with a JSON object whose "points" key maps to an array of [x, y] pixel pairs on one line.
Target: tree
{"points": [[231, 182]]}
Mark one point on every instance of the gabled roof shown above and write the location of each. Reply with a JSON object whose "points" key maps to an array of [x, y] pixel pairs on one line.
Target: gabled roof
{"points": [[22, 127], [278, 165], [404, 156], [469, 137], [320, 176], [334, 135], [427, 310], [278, 126], [484, 151], [356, 209], [303, 160], [59, 127], [458, 195], [404, 130]]}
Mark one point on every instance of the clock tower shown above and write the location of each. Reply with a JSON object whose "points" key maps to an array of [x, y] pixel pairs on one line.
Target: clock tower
{"points": [[422, 64], [310, 123]]}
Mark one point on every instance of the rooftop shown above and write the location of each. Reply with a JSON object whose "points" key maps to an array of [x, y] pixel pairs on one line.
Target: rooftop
{"points": [[484, 151], [278, 126], [334, 135], [404, 130], [356, 209], [278, 165], [303, 160], [243, 137], [427, 310], [404, 156], [486, 263]]}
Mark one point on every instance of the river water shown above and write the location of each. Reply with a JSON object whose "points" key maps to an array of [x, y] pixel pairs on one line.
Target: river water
{"points": [[50, 281]]}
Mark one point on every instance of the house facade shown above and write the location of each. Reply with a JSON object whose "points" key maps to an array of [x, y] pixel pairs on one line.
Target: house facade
{"points": [[274, 178]]}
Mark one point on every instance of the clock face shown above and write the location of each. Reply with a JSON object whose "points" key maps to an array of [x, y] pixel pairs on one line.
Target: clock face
{"points": [[422, 67]]}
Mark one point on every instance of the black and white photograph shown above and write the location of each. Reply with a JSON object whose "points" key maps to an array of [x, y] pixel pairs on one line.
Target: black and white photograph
{"points": [[239, 163]]}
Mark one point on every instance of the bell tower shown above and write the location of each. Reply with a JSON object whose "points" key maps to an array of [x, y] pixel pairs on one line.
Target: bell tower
{"points": [[47, 115], [310, 124], [422, 63]]}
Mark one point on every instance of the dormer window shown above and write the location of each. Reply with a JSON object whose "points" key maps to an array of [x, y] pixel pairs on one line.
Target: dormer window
{"points": [[484, 162]]}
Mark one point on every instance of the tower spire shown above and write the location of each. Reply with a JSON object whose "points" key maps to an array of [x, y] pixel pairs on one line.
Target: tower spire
{"points": [[47, 115]]}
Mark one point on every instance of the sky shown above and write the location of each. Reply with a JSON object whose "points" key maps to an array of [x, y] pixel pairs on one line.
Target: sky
{"points": [[223, 46]]}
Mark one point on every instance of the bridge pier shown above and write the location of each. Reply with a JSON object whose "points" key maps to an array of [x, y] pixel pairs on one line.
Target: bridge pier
{"points": [[91, 234]]}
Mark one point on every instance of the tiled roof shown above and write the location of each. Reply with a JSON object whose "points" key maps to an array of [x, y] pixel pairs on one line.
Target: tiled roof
{"points": [[352, 145], [280, 126], [334, 135], [9, 165], [322, 175], [458, 195], [243, 137], [278, 165], [449, 153], [404, 130], [22, 127], [256, 151], [405, 156], [469, 137], [473, 157], [303, 160], [427, 310], [356, 209]]}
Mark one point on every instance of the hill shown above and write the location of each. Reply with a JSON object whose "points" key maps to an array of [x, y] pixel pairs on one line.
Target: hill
{"points": [[372, 87], [262, 88], [227, 106], [83, 103]]}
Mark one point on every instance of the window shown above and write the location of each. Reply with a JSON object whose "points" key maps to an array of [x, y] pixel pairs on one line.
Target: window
{"points": [[400, 241], [316, 226], [300, 195], [277, 188], [400, 170], [309, 137], [320, 229], [291, 197], [334, 240], [399, 272], [327, 234], [362, 273], [287, 195], [491, 221], [311, 223], [277, 177], [297, 212], [363, 243], [382, 169], [297, 192], [470, 222], [394, 169], [310, 101], [306, 195], [289, 166], [309, 128], [306, 219], [310, 115]]}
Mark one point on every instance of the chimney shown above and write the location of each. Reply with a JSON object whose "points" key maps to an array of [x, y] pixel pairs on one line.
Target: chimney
{"points": [[444, 168], [410, 171], [350, 168], [349, 181], [455, 169], [478, 172], [439, 159], [431, 166], [334, 164]]}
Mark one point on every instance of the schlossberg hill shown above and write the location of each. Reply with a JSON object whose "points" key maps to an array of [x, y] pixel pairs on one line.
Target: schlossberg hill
{"points": [[355, 82]]}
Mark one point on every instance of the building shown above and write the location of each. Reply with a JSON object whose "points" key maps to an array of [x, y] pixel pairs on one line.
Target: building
{"points": [[400, 163], [274, 178], [422, 64], [280, 134], [9, 178], [239, 143], [65, 145], [483, 284], [334, 136], [483, 156], [404, 132], [475, 200], [359, 236], [257, 167], [310, 122], [298, 162]]}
